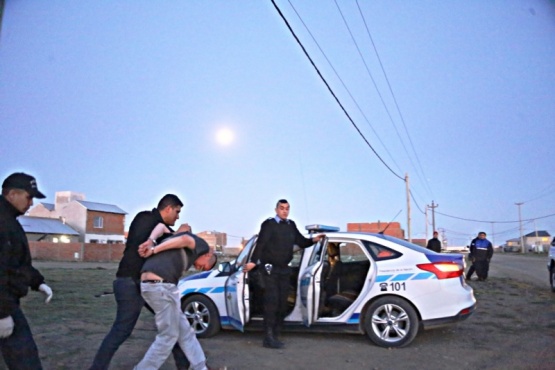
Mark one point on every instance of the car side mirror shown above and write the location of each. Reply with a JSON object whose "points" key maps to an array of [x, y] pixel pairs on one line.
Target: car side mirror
{"points": [[224, 267]]}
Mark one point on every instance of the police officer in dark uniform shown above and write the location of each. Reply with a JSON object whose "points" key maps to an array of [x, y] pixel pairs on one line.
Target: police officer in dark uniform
{"points": [[274, 250], [17, 274], [481, 251], [127, 289]]}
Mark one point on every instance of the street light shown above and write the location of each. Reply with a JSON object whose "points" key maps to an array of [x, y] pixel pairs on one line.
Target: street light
{"points": [[520, 222]]}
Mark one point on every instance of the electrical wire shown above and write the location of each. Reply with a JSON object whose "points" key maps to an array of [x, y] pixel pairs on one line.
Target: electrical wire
{"points": [[394, 99], [344, 85], [331, 91]]}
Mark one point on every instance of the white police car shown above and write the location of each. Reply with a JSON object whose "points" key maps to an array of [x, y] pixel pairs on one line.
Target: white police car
{"points": [[351, 282]]}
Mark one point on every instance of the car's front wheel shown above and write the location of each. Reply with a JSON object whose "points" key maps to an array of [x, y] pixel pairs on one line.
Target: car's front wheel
{"points": [[202, 315], [391, 322]]}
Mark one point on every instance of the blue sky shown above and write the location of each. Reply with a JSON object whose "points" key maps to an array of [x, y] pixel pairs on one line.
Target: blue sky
{"points": [[122, 101]]}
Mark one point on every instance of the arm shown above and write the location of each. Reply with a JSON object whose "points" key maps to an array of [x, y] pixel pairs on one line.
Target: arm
{"points": [[263, 238], [303, 242], [149, 247]]}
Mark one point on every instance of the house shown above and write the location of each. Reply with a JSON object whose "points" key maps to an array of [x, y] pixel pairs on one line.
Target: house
{"points": [[95, 222], [538, 240], [48, 230]]}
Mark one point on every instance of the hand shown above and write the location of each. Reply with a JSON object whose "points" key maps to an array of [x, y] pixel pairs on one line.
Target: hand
{"points": [[145, 249], [6, 327], [249, 266], [47, 291], [184, 228], [318, 237]]}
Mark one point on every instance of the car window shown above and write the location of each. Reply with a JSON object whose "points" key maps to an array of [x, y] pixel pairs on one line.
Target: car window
{"points": [[316, 253], [297, 257], [379, 252], [351, 252], [245, 253]]}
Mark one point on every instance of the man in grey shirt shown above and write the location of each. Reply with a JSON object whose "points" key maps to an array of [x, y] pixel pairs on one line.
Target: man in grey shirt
{"points": [[161, 272]]}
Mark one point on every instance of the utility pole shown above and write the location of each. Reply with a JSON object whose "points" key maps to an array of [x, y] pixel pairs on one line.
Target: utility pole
{"points": [[408, 206], [426, 216], [433, 207], [522, 249]]}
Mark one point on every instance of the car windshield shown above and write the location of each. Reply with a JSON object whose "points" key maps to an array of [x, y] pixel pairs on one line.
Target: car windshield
{"points": [[404, 243]]}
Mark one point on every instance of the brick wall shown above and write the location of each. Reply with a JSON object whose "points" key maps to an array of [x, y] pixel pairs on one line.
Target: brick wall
{"points": [[113, 223], [394, 228], [77, 252]]}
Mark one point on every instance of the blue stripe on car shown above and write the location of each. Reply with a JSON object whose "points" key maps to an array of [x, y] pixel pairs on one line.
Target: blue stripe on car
{"points": [[405, 277]]}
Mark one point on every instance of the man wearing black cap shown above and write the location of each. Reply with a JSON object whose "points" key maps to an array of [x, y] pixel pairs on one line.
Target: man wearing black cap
{"points": [[17, 273]]}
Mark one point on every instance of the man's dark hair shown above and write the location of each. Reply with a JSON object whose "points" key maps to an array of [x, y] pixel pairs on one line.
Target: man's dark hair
{"points": [[482, 233], [281, 201], [169, 200]]}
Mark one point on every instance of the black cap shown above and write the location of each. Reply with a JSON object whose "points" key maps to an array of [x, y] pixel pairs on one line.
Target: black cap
{"points": [[20, 180]]}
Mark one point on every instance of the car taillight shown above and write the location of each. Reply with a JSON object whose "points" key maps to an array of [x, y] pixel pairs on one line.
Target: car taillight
{"points": [[443, 270]]}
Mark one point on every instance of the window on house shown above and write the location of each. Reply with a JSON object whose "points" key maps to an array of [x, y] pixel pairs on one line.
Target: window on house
{"points": [[98, 222]]}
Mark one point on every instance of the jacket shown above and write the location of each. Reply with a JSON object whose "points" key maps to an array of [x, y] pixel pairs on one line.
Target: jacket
{"points": [[17, 274]]}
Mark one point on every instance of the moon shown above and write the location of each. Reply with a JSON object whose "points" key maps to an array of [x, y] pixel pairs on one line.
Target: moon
{"points": [[224, 136]]}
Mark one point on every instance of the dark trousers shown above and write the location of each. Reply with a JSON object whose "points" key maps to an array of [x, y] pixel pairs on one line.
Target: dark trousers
{"points": [[19, 349], [482, 268], [127, 292], [470, 271], [276, 290]]}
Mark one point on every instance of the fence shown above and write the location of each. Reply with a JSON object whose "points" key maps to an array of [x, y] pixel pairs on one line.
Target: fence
{"points": [[77, 252]]}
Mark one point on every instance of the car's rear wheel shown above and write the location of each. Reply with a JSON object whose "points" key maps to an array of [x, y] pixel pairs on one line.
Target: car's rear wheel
{"points": [[391, 322], [552, 278], [202, 315]]}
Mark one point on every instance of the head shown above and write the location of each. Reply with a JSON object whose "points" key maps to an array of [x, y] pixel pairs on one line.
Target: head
{"points": [[170, 207], [282, 209], [19, 189], [435, 234], [482, 235], [207, 261]]}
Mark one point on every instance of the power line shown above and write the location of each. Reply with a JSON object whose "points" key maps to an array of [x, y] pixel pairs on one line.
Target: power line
{"points": [[344, 85], [496, 222], [331, 91]]}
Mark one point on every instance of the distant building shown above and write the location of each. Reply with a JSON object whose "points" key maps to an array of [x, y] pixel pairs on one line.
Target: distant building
{"points": [[95, 222], [539, 239], [48, 230], [216, 240], [388, 228]]}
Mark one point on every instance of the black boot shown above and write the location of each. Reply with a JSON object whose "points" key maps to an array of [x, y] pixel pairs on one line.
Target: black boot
{"points": [[270, 341], [277, 334]]}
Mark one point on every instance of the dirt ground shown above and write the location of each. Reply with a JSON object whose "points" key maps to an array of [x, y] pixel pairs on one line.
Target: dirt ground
{"points": [[512, 328]]}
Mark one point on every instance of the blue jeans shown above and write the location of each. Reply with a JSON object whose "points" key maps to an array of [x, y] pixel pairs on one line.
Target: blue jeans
{"points": [[127, 292], [19, 349], [173, 327]]}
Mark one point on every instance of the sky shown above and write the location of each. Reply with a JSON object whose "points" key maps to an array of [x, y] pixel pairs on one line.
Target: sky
{"points": [[124, 101]]}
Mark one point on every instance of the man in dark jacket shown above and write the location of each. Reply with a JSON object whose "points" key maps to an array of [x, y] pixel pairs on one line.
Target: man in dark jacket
{"points": [[17, 274], [434, 244], [274, 250], [481, 252], [127, 288]]}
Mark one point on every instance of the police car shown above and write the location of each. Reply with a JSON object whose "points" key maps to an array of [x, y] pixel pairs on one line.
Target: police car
{"points": [[372, 284]]}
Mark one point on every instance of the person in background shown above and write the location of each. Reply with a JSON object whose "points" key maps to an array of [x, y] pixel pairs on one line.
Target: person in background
{"points": [[274, 250], [434, 244], [481, 252], [168, 259], [127, 288], [17, 273]]}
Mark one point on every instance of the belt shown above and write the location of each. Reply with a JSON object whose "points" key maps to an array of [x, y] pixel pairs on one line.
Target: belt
{"points": [[154, 281]]}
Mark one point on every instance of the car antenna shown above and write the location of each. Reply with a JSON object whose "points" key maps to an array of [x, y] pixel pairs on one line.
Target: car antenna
{"points": [[383, 231]]}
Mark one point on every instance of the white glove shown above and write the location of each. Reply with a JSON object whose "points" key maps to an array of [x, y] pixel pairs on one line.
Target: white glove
{"points": [[47, 291], [6, 327]]}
